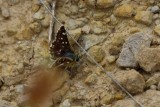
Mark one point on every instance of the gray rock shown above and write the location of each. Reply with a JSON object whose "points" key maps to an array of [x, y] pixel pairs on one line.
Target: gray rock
{"points": [[149, 59], [5, 12], [131, 47], [132, 80], [91, 40], [154, 9]]}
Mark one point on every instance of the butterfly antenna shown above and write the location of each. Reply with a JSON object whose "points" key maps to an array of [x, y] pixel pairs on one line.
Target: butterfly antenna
{"points": [[107, 73]]}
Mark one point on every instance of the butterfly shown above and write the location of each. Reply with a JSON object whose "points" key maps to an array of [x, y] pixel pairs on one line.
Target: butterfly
{"points": [[62, 51]]}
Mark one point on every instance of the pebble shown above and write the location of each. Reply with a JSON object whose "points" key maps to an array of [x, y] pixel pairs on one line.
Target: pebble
{"points": [[5, 12], [91, 2], [111, 59], [36, 27], [86, 29], [125, 10], [105, 3], [157, 22], [97, 53], [74, 9], [144, 17], [157, 29], [155, 9], [153, 87], [132, 80], [66, 103], [46, 21], [38, 15], [91, 79], [149, 59]]}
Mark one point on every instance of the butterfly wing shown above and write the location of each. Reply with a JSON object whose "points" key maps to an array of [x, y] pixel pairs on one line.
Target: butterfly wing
{"points": [[61, 44]]}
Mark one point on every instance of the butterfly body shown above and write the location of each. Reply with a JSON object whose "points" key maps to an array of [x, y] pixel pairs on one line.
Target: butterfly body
{"points": [[61, 50]]}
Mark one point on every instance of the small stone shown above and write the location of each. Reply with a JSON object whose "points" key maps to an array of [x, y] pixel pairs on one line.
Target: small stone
{"points": [[11, 30], [157, 30], [46, 21], [153, 87], [134, 30], [72, 24], [111, 59], [97, 53], [66, 103], [86, 29], [91, 79], [74, 9], [113, 20], [38, 15], [158, 87], [132, 80], [35, 27], [91, 2], [149, 59], [35, 7], [155, 16], [125, 10], [155, 9], [5, 12], [25, 34], [118, 96], [19, 89], [144, 17], [105, 3], [157, 22]]}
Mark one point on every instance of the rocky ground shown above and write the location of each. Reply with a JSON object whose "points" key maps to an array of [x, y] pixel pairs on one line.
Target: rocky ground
{"points": [[121, 35]]}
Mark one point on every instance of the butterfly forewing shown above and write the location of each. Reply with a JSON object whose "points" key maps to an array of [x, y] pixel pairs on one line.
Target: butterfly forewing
{"points": [[61, 44]]}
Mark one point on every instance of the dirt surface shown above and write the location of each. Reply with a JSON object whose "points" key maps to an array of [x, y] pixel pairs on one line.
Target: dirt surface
{"points": [[123, 36]]}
